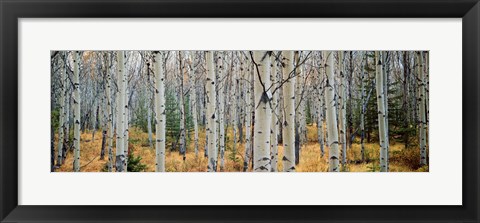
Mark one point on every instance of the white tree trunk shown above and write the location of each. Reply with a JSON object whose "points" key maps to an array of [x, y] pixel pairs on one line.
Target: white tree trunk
{"points": [[125, 122], [263, 112], [149, 121], [211, 107], [274, 121], [381, 114], [160, 118], [331, 103], [234, 114], [193, 100], [422, 110], [183, 148], [288, 131], [61, 122], [221, 109], [120, 159], [248, 116], [76, 113], [321, 106], [108, 93], [342, 107]]}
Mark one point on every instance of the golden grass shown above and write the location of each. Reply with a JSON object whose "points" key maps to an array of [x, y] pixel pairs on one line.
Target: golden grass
{"points": [[401, 160]]}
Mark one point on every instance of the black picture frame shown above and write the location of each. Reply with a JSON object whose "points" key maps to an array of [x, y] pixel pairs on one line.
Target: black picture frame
{"points": [[11, 11]]}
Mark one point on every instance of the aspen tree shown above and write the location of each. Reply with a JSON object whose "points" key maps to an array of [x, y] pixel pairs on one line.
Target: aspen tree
{"points": [[341, 106], [298, 106], [211, 107], [381, 114], [274, 121], [234, 114], [422, 112], [321, 106], [61, 122], [160, 118], [76, 113], [331, 115], [125, 116], [363, 108], [183, 149], [261, 154], [193, 99], [108, 93], [288, 132], [120, 159], [221, 106], [248, 116]]}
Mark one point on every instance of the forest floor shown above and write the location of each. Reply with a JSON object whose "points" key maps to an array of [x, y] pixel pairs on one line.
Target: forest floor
{"points": [[401, 159]]}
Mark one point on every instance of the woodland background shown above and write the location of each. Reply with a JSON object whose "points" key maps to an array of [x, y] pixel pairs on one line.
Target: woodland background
{"points": [[305, 111]]}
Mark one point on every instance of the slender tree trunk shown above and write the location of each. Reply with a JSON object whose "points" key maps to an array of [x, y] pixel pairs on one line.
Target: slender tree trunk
{"points": [[362, 113], [274, 121], [333, 152], [289, 112], [120, 159], [149, 122], [406, 104], [422, 110], [248, 117], [183, 148], [381, 114], [341, 106], [193, 100], [66, 140], [298, 106], [234, 114], [76, 114], [160, 118], [386, 70], [221, 106], [61, 122], [125, 116], [263, 113], [108, 93], [211, 107], [321, 105]]}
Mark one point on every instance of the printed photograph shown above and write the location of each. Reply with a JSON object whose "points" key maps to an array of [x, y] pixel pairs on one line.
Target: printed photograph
{"points": [[239, 111]]}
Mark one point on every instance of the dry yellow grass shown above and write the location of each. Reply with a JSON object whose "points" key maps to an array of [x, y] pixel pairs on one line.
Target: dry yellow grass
{"points": [[401, 160]]}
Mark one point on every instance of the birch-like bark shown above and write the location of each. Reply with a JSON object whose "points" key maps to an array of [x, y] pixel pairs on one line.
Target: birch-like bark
{"points": [[248, 116], [125, 116], [381, 114], [120, 159], [66, 141], [288, 131], [341, 106], [149, 121], [422, 110], [331, 115], [221, 106], [183, 148], [263, 112], [321, 106], [160, 118], [274, 121], [76, 113], [298, 106], [108, 92], [61, 122], [193, 100], [234, 99], [211, 107], [362, 113]]}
